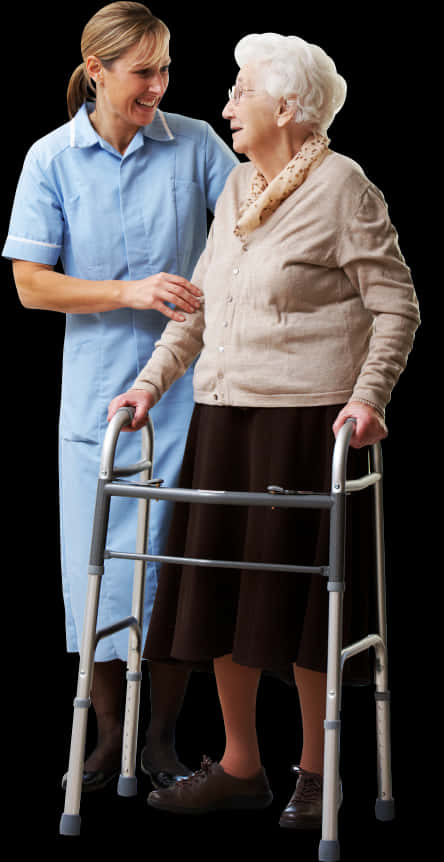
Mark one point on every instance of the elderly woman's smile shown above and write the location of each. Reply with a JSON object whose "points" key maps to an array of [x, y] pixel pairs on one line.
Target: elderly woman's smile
{"points": [[250, 111], [262, 126]]}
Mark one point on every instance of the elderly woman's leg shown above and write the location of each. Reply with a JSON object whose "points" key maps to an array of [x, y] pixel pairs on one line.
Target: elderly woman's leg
{"points": [[237, 689], [311, 686], [238, 781], [304, 810]]}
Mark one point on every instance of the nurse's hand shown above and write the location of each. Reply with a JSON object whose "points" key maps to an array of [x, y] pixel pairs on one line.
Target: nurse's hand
{"points": [[156, 290], [369, 428], [141, 400]]}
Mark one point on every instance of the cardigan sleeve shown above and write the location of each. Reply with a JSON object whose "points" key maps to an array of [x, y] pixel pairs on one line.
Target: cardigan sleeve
{"points": [[370, 256], [180, 343]]}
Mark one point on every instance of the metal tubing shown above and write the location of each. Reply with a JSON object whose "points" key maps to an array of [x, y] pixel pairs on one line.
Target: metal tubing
{"points": [[70, 820], [379, 543], [383, 741], [128, 783], [129, 622], [340, 452], [80, 717], [360, 646], [331, 781], [332, 722], [336, 503], [220, 498], [218, 564], [364, 482]]}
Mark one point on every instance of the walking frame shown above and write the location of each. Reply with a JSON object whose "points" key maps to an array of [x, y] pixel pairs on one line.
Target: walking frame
{"points": [[111, 482]]}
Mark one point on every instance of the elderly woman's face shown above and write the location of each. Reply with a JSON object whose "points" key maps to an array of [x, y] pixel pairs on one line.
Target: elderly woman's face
{"points": [[252, 113]]}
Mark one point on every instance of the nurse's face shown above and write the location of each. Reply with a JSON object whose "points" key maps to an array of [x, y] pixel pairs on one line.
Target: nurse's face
{"points": [[130, 90]]}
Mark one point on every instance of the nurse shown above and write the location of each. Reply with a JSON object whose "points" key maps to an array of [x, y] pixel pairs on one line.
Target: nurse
{"points": [[119, 195]]}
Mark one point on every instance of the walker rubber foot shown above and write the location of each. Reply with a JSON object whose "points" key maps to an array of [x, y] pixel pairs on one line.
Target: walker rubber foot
{"points": [[385, 809], [70, 824], [127, 786], [329, 851]]}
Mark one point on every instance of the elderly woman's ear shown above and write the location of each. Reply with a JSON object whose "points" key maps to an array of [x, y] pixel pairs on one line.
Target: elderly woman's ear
{"points": [[286, 112]]}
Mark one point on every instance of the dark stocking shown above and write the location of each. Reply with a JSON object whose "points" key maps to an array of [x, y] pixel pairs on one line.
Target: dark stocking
{"points": [[107, 696], [168, 684]]}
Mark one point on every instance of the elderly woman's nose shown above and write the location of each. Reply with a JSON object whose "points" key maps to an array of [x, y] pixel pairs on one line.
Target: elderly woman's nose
{"points": [[228, 111]]}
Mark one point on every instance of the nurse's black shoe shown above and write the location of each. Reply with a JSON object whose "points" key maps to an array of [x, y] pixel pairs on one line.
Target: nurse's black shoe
{"points": [[161, 778], [91, 781]]}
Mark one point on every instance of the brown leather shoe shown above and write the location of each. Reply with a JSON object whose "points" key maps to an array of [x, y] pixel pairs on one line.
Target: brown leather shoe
{"points": [[304, 810], [212, 789]]}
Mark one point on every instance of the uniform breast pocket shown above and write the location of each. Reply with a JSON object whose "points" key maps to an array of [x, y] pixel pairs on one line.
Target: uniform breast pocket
{"points": [[191, 212], [94, 232]]}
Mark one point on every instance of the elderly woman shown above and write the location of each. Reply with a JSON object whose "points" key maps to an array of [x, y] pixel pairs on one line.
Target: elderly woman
{"points": [[308, 318]]}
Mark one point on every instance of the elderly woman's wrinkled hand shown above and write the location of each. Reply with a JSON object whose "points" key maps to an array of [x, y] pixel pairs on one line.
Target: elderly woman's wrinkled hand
{"points": [[369, 427], [140, 399]]}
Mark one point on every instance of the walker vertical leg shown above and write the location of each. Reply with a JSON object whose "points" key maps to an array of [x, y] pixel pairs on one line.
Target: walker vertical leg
{"points": [[127, 785], [329, 850], [70, 820], [385, 805]]}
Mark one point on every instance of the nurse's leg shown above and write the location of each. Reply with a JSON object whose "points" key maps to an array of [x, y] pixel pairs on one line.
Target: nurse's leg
{"points": [[107, 699], [168, 684]]}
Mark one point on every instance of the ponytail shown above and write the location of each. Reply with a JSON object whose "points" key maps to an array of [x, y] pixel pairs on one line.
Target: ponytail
{"points": [[110, 32], [80, 88]]}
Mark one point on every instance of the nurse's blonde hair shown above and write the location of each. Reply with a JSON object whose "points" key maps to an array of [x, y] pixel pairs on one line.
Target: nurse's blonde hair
{"points": [[108, 34]]}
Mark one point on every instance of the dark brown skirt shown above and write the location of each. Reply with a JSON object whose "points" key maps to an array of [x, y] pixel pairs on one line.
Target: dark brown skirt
{"points": [[264, 619]]}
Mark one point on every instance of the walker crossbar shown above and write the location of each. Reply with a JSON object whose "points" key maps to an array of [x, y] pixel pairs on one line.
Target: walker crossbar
{"points": [[110, 485], [217, 564], [218, 498]]}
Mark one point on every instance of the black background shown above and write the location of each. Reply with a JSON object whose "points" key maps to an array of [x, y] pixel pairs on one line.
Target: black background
{"points": [[387, 127]]}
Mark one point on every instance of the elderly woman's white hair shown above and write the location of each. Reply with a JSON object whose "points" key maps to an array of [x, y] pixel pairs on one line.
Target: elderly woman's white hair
{"points": [[296, 71]]}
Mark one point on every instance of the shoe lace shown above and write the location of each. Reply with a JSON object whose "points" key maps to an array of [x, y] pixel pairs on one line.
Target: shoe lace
{"points": [[197, 777], [308, 785]]}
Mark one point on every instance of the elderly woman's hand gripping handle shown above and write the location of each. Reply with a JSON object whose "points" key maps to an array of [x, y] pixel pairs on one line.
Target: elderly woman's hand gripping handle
{"points": [[142, 402], [369, 426]]}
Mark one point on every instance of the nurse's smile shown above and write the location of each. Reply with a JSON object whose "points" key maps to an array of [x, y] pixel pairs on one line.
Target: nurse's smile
{"points": [[128, 92]]}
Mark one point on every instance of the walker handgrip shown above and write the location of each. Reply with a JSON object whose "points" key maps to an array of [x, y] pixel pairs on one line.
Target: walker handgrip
{"points": [[130, 410], [122, 417], [340, 453]]}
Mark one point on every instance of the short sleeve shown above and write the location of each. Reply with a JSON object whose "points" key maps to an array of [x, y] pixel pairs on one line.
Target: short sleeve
{"points": [[37, 226]]}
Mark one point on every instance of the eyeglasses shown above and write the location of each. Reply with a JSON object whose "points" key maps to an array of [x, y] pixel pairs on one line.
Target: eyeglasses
{"points": [[235, 93]]}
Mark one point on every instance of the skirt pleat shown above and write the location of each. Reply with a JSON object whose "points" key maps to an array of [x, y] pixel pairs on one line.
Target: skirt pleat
{"points": [[264, 619]]}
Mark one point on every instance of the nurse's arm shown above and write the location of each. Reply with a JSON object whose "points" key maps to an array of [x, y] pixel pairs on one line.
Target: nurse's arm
{"points": [[40, 287]]}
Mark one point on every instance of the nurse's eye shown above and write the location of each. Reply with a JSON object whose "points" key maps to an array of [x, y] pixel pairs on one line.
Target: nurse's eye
{"points": [[149, 73]]}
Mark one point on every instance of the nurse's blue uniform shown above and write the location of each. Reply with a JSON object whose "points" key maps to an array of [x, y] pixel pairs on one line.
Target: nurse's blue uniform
{"points": [[108, 216]]}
